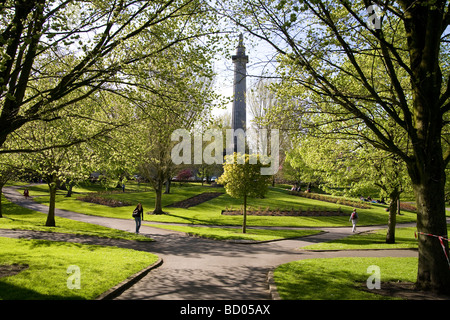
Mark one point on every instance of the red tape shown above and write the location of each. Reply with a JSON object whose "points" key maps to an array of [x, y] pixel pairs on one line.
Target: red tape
{"points": [[441, 238]]}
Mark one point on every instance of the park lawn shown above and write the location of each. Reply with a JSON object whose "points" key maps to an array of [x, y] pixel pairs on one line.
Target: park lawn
{"points": [[209, 212], [405, 238], [236, 233], [19, 218], [339, 278], [46, 277]]}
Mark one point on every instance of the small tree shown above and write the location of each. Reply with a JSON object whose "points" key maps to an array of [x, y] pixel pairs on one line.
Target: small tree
{"points": [[242, 178]]}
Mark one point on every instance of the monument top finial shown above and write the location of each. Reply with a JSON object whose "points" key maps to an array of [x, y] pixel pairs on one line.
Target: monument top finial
{"points": [[241, 40], [240, 49]]}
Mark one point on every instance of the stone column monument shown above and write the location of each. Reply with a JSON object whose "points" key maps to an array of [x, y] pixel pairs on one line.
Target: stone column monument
{"points": [[238, 115]]}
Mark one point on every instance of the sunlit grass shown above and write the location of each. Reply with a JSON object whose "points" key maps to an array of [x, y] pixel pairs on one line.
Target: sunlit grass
{"points": [[404, 239], [19, 218], [339, 278], [46, 276], [236, 233], [209, 212]]}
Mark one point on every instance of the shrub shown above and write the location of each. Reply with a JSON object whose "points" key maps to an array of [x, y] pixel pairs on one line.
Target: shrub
{"points": [[319, 197]]}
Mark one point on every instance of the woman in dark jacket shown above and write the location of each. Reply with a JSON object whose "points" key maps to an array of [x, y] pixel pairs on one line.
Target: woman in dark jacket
{"points": [[138, 215]]}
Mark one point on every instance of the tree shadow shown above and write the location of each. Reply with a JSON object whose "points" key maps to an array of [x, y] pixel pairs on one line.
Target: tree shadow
{"points": [[10, 291], [229, 283]]}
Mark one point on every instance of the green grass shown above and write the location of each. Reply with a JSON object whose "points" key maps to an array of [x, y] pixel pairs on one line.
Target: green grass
{"points": [[101, 268], [236, 233], [339, 278], [404, 239], [19, 218], [209, 213]]}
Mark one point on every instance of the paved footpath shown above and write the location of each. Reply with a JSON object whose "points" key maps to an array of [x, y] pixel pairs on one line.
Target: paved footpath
{"points": [[202, 269]]}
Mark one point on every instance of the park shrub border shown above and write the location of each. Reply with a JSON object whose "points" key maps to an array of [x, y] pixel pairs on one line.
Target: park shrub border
{"points": [[321, 197], [284, 212]]}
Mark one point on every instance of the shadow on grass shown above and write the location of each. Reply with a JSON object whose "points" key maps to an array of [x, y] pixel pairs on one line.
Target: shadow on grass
{"points": [[374, 239], [192, 220], [12, 292]]}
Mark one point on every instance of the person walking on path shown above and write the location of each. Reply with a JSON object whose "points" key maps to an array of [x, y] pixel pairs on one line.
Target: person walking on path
{"points": [[354, 219], [138, 215]]}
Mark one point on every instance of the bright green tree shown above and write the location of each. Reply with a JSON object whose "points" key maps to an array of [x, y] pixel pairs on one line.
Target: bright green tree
{"points": [[76, 143], [57, 165], [357, 167], [242, 179]]}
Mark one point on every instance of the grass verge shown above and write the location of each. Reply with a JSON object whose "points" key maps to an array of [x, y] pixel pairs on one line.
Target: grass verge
{"points": [[404, 239], [19, 218], [209, 212], [339, 278], [236, 233], [46, 277]]}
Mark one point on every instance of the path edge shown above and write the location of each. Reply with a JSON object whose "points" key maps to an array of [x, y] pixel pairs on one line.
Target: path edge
{"points": [[272, 286], [127, 283]]}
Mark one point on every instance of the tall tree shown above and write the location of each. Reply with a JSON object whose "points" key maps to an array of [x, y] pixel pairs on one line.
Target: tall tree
{"points": [[90, 43], [57, 165], [179, 94], [319, 40]]}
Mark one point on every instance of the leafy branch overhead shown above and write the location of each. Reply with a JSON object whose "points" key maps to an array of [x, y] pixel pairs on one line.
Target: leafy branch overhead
{"points": [[54, 56]]}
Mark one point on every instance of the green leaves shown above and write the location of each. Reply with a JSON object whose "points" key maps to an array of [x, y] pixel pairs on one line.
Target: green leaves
{"points": [[243, 177]]}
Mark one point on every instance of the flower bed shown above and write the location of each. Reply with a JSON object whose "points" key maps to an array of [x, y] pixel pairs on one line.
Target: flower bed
{"points": [[293, 213], [320, 197], [98, 199]]}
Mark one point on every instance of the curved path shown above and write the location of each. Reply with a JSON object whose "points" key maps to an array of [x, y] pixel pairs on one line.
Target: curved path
{"points": [[202, 269]]}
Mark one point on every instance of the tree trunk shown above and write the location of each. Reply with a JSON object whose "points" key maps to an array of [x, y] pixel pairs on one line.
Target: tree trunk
{"points": [[393, 197], [69, 189], [1, 203], [168, 183], [51, 209], [158, 199], [244, 223], [428, 181], [423, 25], [434, 269]]}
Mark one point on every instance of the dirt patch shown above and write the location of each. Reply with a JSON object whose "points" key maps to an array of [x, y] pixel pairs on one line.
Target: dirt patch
{"points": [[195, 200], [7, 270], [404, 290], [292, 213]]}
